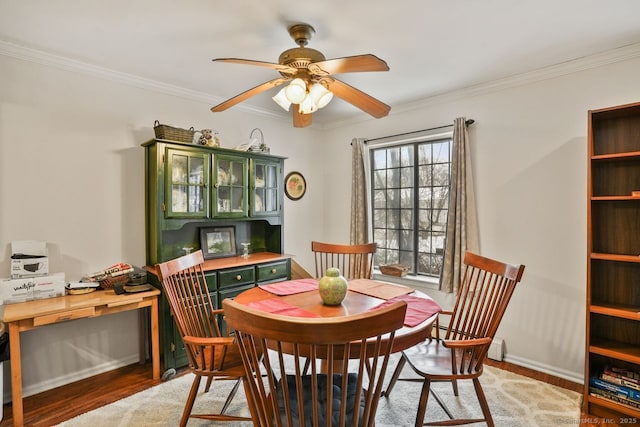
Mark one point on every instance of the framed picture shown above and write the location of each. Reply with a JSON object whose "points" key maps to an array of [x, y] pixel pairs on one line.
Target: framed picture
{"points": [[218, 242], [295, 185]]}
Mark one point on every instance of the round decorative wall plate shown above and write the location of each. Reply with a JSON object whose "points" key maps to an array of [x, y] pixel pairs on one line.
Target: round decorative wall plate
{"points": [[295, 185]]}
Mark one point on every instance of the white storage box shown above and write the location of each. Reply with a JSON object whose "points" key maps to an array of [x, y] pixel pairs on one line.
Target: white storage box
{"points": [[30, 288], [29, 258]]}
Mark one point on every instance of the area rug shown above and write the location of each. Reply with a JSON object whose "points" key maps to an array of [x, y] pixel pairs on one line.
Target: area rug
{"points": [[514, 400]]}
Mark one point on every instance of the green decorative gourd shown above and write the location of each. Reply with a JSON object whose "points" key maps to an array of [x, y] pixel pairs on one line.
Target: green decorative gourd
{"points": [[333, 287]]}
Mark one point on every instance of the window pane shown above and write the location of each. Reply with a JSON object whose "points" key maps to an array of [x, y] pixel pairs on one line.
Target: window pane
{"points": [[406, 198], [392, 239], [179, 168], [424, 219], [406, 219], [440, 152], [406, 177], [393, 157], [424, 198], [393, 178], [406, 240], [440, 174], [424, 175], [424, 154], [380, 179], [393, 219], [196, 170], [406, 155], [380, 237], [379, 218], [379, 159], [379, 199], [393, 199]]}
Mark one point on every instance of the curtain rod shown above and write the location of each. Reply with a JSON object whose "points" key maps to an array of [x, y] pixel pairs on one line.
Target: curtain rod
{"points": [[468, 122]]}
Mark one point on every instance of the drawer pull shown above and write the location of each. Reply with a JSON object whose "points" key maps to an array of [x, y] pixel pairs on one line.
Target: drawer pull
{"points": [[238, 277], [274, 271]]}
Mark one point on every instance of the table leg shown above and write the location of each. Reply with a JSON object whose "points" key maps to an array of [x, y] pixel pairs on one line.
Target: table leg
{"points": [[16, 375], [143, 342], [155, 339]]}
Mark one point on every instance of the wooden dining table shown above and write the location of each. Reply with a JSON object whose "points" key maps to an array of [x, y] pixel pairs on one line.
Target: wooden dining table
{"points": [[301, 297]]}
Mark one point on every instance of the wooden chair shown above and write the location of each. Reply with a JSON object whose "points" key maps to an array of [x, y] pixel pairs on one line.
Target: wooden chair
{"points": [[210, 354], [354, 261], [485, 290], [284, 395]]}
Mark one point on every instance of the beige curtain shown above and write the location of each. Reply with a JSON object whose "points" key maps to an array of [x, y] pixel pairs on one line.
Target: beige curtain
{"points": [[359, 228], [462, 222]]}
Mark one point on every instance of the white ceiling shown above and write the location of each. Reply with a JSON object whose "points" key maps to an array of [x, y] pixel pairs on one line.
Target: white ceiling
{"points": [[431, 46]]}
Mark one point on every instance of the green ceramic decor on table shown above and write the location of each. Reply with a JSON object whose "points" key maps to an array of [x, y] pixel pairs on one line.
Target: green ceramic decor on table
{"points": [[332, 287]]}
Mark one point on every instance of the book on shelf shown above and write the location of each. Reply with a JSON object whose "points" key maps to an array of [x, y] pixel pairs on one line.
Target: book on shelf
{"points": [[621, 390], [619, 380], [609, 395], [624, 374]]}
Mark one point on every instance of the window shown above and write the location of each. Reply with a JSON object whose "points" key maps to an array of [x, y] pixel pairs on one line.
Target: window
{"points": [[409, 202]]}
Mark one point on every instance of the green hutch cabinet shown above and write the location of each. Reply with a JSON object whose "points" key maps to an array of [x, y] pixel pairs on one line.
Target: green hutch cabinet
{"points": [[189, 187]]}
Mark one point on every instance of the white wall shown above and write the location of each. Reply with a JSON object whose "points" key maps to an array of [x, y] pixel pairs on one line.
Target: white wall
{"points": [[529, 152], [72, 174]]}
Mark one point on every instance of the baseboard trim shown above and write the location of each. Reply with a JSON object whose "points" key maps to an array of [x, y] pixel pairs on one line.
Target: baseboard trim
{"points": [[72, 377], [544, 368]]}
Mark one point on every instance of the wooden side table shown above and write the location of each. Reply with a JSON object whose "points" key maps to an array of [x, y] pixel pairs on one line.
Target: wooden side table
{"points": [[34, 314]]}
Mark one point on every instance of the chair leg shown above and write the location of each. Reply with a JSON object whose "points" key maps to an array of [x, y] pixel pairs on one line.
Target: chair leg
{"points": [[208, 386], [441, 403], [422, 406], [395, 376], [231, 395], [483, 402], [454, 384], [190, 400]]}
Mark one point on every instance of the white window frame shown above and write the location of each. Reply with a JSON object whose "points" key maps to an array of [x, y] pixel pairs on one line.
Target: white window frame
{"points": [[426, 282]]}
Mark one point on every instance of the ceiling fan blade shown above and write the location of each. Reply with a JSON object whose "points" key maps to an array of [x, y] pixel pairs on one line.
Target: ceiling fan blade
{"points": [[249, 93], [349, 64], [300, 120], [356, 97], [278, 67]]}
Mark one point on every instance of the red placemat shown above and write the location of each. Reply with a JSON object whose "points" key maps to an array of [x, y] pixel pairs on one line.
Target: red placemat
{"points": [[291, 287], [277, 306], [418, 309]]}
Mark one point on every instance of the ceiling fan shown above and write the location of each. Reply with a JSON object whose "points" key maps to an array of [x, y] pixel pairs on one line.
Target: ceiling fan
{"points": [[311, 82]]}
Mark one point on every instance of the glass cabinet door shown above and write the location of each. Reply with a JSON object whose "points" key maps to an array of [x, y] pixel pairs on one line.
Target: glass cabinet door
{"points": [[230, 189], [264, 188], [187, 181]]}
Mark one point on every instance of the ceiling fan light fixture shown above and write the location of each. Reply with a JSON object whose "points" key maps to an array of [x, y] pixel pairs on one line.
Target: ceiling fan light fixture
{"points": [[321, 95], [308, 106], [281, 99], [296, 91]]}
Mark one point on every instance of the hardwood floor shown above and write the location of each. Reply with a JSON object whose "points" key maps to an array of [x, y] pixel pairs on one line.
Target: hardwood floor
{"points": [[62, 403], [54, 406]]}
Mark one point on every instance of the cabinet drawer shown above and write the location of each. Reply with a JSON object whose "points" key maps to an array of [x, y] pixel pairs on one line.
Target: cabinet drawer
{"points": [[212, 281], [233, 292], [272, 271], [64, 316], [236, 276]]}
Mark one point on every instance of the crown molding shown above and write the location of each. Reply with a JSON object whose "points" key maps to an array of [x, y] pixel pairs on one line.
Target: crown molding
{"points": [[558, 70], [57, 61], [620, 54]]}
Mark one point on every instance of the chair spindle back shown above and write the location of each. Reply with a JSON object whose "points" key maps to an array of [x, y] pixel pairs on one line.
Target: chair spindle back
{"points": [[354, 261]]}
